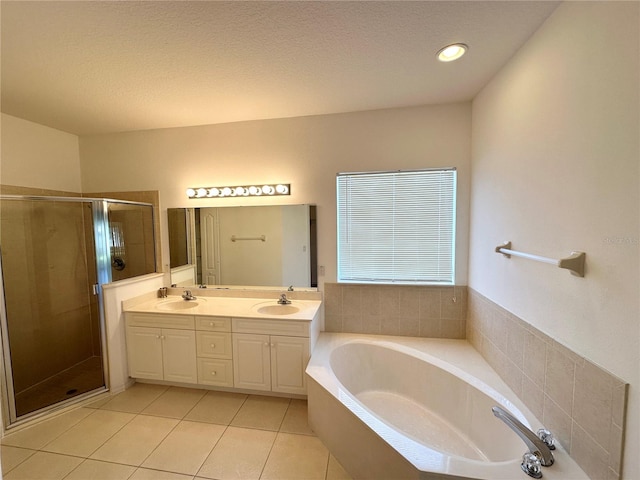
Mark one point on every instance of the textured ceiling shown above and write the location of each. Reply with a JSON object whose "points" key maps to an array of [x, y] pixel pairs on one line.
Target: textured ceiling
{"points": [[97, 67]]}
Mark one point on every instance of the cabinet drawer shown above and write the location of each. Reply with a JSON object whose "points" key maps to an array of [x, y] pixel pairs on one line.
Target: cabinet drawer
{"points": [[160, 320], [213, 324], [217, 372], [213, 344], [294, 328]]}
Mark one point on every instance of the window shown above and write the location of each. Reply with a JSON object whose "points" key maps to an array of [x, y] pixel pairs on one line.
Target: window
{"points": [[397, 227]]}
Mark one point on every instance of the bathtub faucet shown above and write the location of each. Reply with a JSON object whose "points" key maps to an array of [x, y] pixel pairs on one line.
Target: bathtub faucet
{"points": [[536, 445]]}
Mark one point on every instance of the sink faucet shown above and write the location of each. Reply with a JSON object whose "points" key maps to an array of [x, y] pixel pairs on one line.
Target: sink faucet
{"points": [[187, 295], [283, 300], [536, 445]]}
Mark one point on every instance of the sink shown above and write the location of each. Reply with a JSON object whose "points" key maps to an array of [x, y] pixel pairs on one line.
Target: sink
{"points": [[178, 305], [278, 309]]}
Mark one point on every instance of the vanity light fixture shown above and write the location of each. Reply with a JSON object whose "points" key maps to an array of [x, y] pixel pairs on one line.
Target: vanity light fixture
{"points": [[452, 52], [240, 191]]}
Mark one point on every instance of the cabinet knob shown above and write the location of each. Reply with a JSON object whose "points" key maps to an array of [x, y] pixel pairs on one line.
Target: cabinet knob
{"points": [[273, 345], [213, 374], [266, 344], [211, 324], [213, 345]]}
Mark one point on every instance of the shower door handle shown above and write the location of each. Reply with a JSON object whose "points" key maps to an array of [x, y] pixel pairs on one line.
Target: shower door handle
{"points": [[95, 288]]}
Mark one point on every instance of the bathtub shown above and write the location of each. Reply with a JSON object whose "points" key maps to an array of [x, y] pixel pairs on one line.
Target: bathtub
{"points": [[403, 407]]}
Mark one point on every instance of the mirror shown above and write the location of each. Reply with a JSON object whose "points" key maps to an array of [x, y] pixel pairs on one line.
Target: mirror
{"points": [[258, 246]]}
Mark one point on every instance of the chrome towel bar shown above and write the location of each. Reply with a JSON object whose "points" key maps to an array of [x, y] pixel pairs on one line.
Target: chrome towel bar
{"points": [[573, 263], [262, 238]]}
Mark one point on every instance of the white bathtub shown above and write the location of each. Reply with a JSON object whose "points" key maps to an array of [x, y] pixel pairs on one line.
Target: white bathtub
{"points": [[402, 407]]}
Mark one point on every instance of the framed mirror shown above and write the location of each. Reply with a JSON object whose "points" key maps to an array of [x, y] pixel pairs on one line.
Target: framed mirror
{"points": [[244, 246]]}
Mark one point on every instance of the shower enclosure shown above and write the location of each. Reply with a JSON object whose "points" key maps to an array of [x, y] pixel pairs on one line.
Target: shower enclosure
{"points": [[55, 253]]}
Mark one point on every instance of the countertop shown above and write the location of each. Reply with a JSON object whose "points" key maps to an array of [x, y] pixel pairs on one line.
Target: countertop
{"points": [[227, 307]]}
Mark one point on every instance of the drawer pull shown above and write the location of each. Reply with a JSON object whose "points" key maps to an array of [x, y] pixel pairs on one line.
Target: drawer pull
{"points": [[211, 324]]}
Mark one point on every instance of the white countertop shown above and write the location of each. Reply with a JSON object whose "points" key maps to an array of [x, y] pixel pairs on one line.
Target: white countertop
{"points": [[226, 307]]}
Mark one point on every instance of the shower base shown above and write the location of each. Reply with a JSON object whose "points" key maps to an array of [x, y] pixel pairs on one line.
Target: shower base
{"points": [[81, 378]]}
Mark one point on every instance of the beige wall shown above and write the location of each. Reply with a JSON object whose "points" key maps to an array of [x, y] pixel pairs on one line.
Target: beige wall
{"points": [[306, 152], [555, 169], [37, 156]]}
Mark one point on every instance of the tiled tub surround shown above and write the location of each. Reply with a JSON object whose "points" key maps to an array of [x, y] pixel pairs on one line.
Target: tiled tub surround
{"points": [[582, 404], [416, 311]]}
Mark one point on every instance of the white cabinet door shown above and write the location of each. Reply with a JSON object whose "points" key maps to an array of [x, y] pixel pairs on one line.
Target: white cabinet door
{"points": [[179, 356], [144, 352], [289, 358], [251, 363]]}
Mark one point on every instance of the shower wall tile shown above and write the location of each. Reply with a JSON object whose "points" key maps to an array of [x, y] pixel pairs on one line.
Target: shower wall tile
{"points": [[18, 190], [580, 402], [424, 311], [150, 196]]}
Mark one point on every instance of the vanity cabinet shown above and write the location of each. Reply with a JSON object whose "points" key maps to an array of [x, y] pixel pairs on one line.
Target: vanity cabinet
{"points": [[244, 353], [262, 361]]}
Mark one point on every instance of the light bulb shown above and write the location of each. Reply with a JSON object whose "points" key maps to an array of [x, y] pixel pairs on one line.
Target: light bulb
{"points": [[282, 189], [226, 191], [214, 192], [452, 52], [202, 192], [191, 192], [267, 190]]}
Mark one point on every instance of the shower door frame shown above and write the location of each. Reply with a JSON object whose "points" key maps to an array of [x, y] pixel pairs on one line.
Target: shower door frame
{"points": [[101, 240]]}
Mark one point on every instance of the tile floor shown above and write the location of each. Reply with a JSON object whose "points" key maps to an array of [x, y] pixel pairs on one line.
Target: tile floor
{"points": [[169, 433]]}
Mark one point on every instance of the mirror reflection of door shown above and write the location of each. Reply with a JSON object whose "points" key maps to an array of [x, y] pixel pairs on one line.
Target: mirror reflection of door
{"points": [[210, 246]]}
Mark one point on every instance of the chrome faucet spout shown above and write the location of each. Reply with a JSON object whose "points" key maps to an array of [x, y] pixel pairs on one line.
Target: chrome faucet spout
{"points": [[283, 300], [187, 295], [535, 444]]}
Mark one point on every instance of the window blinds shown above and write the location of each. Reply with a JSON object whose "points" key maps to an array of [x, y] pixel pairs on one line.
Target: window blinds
{"points": [[397, 227]]}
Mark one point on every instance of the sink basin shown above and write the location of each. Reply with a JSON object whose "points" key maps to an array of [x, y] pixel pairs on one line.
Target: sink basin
{"points": [[178, 305], [278, 309]]}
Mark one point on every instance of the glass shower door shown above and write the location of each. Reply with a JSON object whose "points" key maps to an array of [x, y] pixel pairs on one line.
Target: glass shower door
{"points": [[52, 329]]}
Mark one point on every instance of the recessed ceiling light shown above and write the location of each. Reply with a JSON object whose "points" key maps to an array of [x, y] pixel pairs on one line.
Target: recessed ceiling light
{"points": [[452, 52]]}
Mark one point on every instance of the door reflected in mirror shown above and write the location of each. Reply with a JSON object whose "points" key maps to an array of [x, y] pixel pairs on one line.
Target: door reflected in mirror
{"points": [[259, 246]]}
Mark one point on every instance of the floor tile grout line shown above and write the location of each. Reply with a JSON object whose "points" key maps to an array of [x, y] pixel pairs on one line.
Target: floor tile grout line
{"points": [[275, 439], [326, 467], [40, 424], [102, 444], [162, 440], [246, 397], [226, 427], [33, 452], [85, 460]]}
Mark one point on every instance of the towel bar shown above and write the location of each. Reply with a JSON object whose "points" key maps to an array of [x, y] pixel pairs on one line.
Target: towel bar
{"points": [[573, 263]]}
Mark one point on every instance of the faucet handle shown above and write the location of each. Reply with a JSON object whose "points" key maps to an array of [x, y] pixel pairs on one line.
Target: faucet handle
{"points": [[547, 437], [531, 465]]}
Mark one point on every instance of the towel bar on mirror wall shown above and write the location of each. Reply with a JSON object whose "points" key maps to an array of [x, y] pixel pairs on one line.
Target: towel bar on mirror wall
{"points": [[573, 263], [262, 238]]}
